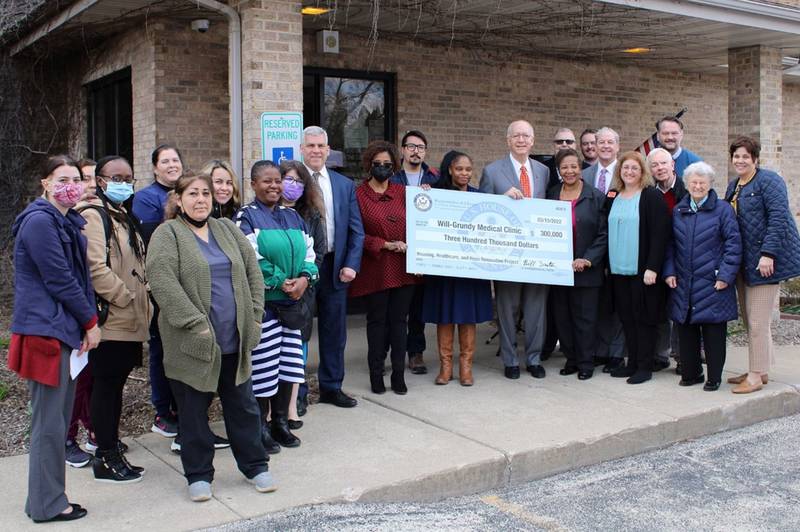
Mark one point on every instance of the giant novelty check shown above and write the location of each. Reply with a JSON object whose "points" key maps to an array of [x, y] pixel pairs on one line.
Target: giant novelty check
{"points": [[487, 236]]}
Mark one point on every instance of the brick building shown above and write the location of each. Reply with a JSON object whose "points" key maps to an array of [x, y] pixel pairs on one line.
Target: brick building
{"points": [[146, 75]]}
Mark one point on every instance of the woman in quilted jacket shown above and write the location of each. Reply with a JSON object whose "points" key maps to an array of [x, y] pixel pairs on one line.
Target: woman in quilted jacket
{"points": [[701, 268], [770, 253]]}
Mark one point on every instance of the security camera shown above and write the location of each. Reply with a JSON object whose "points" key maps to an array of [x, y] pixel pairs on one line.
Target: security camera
{"points": [[201, 25]]}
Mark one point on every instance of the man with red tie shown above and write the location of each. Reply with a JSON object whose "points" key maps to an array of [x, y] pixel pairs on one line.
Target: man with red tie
{"points": [[519, 177]]}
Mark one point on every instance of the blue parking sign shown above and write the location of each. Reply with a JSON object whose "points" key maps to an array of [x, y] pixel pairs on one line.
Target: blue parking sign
{"points": [[281, 154]]}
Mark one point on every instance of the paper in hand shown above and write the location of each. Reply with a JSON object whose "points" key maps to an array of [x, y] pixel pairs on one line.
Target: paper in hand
{"points": [[77, 362]]}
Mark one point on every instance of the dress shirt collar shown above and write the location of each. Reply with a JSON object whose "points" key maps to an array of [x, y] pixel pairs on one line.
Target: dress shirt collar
{"points": [[677, 153]]}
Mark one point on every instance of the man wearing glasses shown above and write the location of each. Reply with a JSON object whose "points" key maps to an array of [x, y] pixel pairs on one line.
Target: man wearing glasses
{"points": [[414, 172], [563, 139], [519, 177]]}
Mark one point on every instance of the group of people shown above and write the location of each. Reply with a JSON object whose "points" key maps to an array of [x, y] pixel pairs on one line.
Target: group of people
{"points": [[225, 293]]}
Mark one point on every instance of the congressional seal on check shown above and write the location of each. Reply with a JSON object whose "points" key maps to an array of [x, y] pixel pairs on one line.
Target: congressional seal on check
{"points": [[488, 236]]}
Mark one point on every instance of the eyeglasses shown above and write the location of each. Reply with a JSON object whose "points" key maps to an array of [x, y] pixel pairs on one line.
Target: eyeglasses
{"points": [[415, 147], [290, 180], [118, 179], [568, 142], [376, 164]]}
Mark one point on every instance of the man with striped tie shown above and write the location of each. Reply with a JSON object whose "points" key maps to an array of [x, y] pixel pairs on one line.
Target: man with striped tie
{"points": [[519, 177]]}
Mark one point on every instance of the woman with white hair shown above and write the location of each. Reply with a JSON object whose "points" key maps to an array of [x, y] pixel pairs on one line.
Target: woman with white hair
{"points": [[701, 267]]}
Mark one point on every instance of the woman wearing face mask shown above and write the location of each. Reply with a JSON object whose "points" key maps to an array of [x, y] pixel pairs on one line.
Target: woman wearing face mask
{"points": [[117, 262], [451, 301], [226, 188], [303, 195], [54, 313], [286, 256], [205, 278], [383, 278]]}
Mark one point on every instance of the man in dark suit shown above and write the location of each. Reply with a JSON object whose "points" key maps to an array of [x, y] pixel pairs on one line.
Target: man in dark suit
{"points": [[519, 177], [563, 139], [611, 339], [339, 266]]}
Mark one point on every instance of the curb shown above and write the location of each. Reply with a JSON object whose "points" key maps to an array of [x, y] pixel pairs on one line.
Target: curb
{"points": [[505, 471]]}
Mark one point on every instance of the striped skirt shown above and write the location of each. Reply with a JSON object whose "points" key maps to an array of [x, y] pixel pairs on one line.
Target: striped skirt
{"points": [[277, 357]]}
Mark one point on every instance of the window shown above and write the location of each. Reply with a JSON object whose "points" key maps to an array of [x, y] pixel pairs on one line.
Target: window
{"points": [[353, 107], [110, 115]]}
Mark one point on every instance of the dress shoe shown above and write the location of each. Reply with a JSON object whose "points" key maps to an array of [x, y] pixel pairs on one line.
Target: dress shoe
{"points": [[601, 361], [691, 382], [376, 383], [399, 383], [710, 386], [746, 387], [302, 406], [545, 356], [295, 424], [659, 364], [622, 371], [678, 369], [337, 398], [568, 370], [612, 364], [741, 378], [639, 377], [537, 371], [512, 372], [77, 512], [416, 364], [585, 375]]}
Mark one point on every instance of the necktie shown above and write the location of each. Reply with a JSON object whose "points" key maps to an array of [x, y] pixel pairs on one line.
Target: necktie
{"points": [[601, 181], [316, 175], [525, 183]]}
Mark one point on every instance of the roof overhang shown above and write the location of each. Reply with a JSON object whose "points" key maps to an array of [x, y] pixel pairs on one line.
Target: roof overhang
{"points": [[684, 35]]}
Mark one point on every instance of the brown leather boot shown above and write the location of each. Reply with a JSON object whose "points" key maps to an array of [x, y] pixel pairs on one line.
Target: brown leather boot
{"points": [[466, 342], [444, 336]]}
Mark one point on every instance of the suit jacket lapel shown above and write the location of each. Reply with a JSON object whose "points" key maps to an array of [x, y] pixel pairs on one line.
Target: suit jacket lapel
{"points": [[510, 173]]}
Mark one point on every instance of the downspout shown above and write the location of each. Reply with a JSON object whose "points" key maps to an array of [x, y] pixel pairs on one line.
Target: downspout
{"points": [[234, 81]]}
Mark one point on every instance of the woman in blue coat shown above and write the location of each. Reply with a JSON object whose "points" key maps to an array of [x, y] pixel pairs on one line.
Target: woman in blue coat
{"points": [[701, 268], [54, 314], [770, 253]]}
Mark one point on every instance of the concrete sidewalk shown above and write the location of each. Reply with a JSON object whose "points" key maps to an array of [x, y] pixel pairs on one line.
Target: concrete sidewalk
{"points": [[435, 442]]}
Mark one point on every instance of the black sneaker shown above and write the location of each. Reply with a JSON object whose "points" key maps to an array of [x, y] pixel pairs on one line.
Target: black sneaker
{"points": [[167, 426], [220, 442], [110, 467], [75, 456]]}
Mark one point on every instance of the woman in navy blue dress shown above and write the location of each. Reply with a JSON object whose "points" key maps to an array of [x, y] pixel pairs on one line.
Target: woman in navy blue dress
{"points": [[451, 301]]}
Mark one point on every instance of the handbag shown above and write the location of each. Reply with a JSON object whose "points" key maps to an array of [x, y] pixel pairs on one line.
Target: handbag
{"points": [[292, 314]]}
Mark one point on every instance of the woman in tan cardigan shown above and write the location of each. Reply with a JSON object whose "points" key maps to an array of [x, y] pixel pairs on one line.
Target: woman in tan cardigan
{"points": [[116, 262], [205, 278]]}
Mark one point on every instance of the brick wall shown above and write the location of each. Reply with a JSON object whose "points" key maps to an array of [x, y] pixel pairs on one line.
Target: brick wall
{"points": [[272, 73], [133, 48], [790, 167], [191, 90], [465, 99]]}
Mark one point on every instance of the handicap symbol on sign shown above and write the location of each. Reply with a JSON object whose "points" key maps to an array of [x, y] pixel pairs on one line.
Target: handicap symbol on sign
{"points": [[282, 154]]}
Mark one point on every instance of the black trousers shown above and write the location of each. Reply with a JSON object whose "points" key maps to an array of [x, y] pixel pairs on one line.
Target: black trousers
{"points": [[713, 341], [111, 362], [576, 310], [387, 315], [416, 327], [640, 335], [242, 424], [552, 336]]}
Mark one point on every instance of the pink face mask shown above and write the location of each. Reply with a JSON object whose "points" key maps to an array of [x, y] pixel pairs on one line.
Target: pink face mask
{"points": [[67, 194]]}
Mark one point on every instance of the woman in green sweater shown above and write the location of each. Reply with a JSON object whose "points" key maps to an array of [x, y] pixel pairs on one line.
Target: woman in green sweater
{"points": [[205, 278]]}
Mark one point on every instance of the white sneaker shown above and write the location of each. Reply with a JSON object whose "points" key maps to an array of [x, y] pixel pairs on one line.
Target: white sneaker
{"points": [[200, 491], [264, 482]]}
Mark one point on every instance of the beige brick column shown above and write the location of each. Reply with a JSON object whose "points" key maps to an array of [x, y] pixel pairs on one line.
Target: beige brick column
{"points": [[755, 99], [272, 66]]}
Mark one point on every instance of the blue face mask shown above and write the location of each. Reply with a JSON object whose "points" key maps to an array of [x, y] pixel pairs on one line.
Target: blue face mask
{"points": [[118, 192]]}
